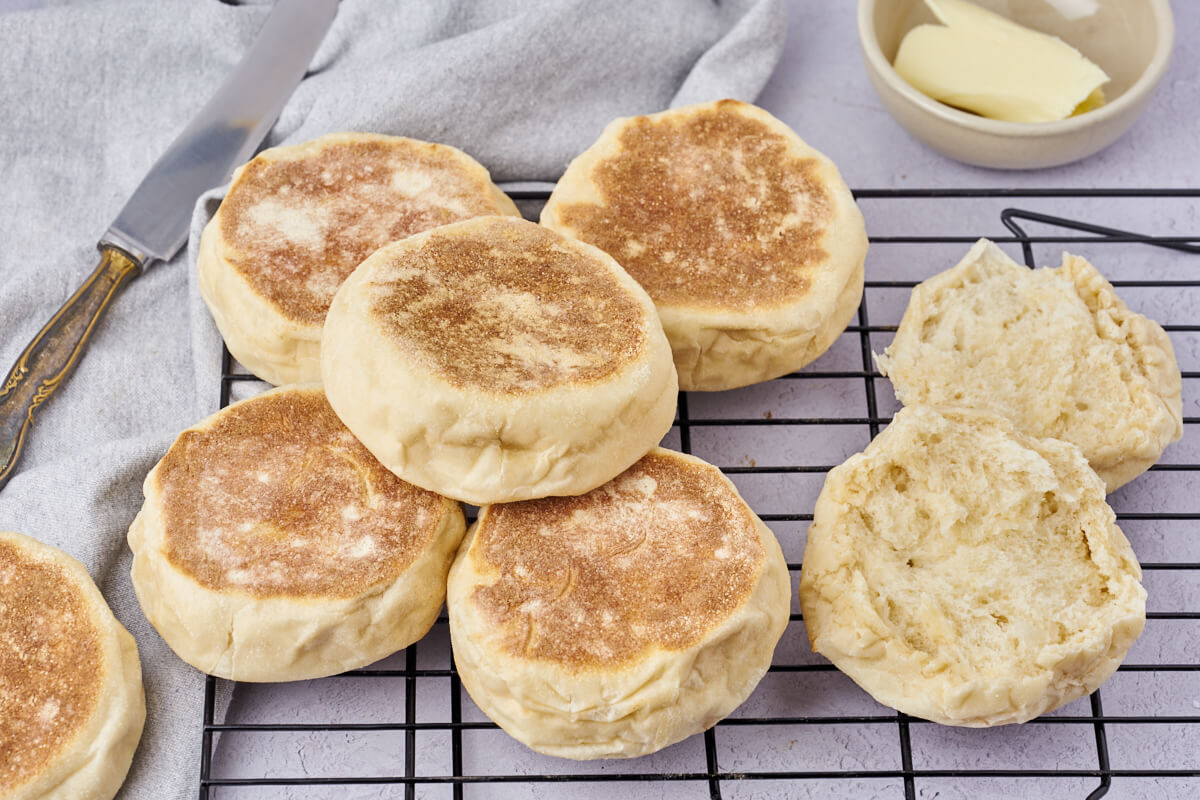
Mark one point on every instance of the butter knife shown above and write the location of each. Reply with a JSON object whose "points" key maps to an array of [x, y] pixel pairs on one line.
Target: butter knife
{"points": [[153, 225]]}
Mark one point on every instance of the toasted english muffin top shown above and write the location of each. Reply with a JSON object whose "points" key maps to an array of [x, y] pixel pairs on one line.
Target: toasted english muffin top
{"points": [[51, 659], [274, 496], [654, 559], [506, 306]]}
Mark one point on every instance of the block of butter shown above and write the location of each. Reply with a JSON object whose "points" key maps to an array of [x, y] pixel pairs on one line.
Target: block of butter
{"points": [[982, 62]]}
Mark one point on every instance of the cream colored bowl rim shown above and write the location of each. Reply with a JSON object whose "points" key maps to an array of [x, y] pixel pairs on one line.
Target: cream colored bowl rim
{"points": [[1145, 83]]}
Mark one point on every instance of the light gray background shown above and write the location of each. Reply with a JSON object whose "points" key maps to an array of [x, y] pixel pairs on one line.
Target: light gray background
{"points": [[821, 90]]}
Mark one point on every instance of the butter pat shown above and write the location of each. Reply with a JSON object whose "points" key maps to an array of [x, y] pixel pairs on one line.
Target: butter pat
{"points": [[982, 62]]}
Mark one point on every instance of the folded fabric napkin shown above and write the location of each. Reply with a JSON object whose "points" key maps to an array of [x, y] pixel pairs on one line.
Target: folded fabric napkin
{"points": [[94, 91]]}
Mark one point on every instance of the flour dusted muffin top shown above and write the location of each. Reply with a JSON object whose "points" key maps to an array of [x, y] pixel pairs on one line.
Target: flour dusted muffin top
{"points": [[299, 218], [615, 623], [71, 700], [746, 238]]}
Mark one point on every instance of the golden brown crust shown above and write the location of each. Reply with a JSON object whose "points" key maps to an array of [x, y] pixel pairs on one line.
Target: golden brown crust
{"points": [[50, 663], [654, 559], [708, 209], [276, 497], [298, 220], [505, 306]]}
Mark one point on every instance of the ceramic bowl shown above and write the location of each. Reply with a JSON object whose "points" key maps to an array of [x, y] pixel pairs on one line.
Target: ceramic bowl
{"points": [[1130, 40]]}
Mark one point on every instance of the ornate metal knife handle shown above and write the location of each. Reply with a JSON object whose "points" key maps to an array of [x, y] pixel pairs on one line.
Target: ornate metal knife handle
{"points": [[48, 359]]}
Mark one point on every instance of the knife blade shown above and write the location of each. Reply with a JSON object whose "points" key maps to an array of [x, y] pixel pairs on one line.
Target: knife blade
{"points": [[153, 225]]}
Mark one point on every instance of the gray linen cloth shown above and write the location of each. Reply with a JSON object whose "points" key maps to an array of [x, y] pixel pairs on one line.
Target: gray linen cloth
{"points": [[93, 92]]}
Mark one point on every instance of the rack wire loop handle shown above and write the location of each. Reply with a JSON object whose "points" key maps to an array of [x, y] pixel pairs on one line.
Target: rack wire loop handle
{"points": [[1009, 216]]}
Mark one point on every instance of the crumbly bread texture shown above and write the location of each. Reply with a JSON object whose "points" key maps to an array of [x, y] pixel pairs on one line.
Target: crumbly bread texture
{"points": [[298, 219], [71, 699], [747, 239], [619, 622], [967, 573], [273, 547], [494, 360], [1054, 350]]}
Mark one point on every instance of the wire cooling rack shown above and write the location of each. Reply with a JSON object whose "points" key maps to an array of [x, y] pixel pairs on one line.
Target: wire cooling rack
{"points": [[406, 728]]}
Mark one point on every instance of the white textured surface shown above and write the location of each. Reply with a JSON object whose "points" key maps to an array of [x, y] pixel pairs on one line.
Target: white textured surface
{"points": [[821, 90]]}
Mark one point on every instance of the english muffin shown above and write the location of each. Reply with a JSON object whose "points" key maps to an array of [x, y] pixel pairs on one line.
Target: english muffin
{"points": [[494, 360], [298, 219], [1054, 350], [746, 238], [273, 547], [967, 573], [616, 623], [71, 699]]}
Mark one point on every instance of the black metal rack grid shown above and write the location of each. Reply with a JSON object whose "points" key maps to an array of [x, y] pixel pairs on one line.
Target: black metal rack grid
{"points": [[839, 744]]}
